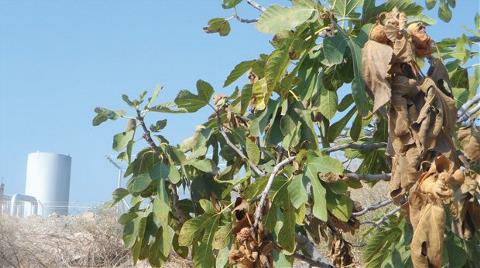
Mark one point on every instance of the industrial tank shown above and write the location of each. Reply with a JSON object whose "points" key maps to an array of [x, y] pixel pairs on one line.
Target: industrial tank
{"points": [[48, 180]]}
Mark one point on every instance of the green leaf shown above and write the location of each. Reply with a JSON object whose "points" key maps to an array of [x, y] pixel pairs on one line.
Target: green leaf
{"points": [[160, 249], [358, 85], [345, 103], [222, 257], [230, 3], [287, 238], [218, 25], [444, 11], [104, 114], [334, 48], [277, 18], [340, 206], [297, 191], [253, 152], [319, 194], [121, 140], [345, 8], [281, 260], [328, 102], [168, 107], [222, 236], [340, 125], [203, 256], [356, 128], [239, 70], [245, 98], [154, 96], [165, 172], [477, 21], [459, 78], [191, 102], [190, 229], [430, 4], [422, 18], [118, 195], [325, 164], [161, 204], [139, 183], [275, 68], [204, 165], [159, 125], [207, 206]]}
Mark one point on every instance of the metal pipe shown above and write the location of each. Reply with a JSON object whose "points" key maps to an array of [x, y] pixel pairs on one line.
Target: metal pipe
{"points": [[16, 198]]}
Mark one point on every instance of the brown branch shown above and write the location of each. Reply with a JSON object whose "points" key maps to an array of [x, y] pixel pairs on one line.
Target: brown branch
{"points": [[173, 188], [235, 148], [256, 5], [372, 207], [263, 198], [316, 263], [368, 177], [362, 147]]}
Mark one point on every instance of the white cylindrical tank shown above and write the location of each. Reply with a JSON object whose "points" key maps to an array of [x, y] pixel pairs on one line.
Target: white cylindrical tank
{"points": [[48, 180]]}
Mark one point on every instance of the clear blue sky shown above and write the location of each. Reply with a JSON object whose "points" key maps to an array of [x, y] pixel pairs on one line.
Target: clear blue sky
{"points": [[60, 59]]}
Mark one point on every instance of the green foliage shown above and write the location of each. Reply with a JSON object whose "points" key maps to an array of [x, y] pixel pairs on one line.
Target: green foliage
{"points": [[292, 105], [277, 18]]}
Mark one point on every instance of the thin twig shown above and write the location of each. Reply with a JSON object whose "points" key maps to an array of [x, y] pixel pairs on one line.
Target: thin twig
{"points": [[235, 148], [369, 177], [362, 147], [372, 207], [173, 188], [242, 20], [312, 262], [263, 198], [256, 5], [383, 219]]}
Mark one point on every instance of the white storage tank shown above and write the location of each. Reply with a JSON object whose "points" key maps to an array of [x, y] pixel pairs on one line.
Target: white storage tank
{"points": [[48, 180]]}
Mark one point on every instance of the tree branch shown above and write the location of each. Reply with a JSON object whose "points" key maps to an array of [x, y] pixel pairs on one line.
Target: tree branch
{"points": [[235, 148], [148, 138], [256, 5], [362, 147], [316, 263], [372, 207], [369, 177], [383, 219], [242, 20], [263, 198], [463, 113]]}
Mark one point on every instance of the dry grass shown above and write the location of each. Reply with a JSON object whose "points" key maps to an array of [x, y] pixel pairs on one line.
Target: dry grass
{"points": [[89, 240], [95, 240]]}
